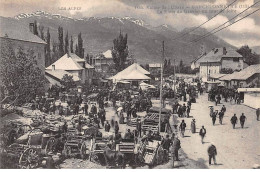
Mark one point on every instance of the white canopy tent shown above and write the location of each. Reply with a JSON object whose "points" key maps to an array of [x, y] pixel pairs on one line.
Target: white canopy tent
{"points": [[132, 73]]}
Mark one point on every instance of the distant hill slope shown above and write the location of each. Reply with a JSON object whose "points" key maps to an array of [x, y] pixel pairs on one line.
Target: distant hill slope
{"points": [[256, 49], [144, 41]]}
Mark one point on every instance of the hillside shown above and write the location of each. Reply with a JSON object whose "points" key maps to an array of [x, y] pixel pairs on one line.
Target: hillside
{"points": [[144, 41]]}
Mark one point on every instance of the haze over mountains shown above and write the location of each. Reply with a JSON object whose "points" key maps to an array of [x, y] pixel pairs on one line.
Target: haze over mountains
{"points": [[144, 41]]}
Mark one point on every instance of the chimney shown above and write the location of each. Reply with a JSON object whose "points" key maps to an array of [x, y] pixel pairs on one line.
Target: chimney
{"points": [[53, 67], [224, 51], [31, 27]]}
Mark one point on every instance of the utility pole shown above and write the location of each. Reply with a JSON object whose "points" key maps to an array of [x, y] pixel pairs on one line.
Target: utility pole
{"points": [[207, 71], [174, 74], [161, 87]]}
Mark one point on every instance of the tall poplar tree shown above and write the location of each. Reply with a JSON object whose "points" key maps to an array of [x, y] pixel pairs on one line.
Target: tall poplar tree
{"points": [[71, 45], [80, 46], [61, 43], [120, 51], [48, 49], [67, 43]]}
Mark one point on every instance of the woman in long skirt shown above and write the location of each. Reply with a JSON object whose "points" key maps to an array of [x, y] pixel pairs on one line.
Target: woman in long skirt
{"points": [[193, 126]]}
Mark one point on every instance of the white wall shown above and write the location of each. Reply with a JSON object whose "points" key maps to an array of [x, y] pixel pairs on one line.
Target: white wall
{"points": [[38, 50], [212, 70], [235, 65], [252, 99], [77, 73]]}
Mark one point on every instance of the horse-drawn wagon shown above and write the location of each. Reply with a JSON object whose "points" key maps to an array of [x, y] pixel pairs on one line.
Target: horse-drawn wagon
{"points": [[152, 153], [29, 149]]}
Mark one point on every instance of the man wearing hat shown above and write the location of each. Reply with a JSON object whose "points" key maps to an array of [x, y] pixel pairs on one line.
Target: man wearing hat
{"points": [[202, 134], [49, 161], [212, 152], [86, 108], [257, 114], [176, 145], [214, 117], [166, 142], [233, 121], [182, 128], [128, 134], [139, 128], [107, 127]]}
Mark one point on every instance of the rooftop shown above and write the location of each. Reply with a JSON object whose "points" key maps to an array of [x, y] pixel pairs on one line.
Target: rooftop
{"points": [[243, 74], [196, 59], [66, 63], [78, 60], [108, 54], [12, 29], [155, 65], [60, 73], [216, 54]]}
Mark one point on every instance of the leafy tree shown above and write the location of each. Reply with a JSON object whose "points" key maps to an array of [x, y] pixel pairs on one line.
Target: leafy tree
{"points": [[77, 50], [67, 43], [87, 59], [21, 78], [61, 43], [55, 52], [41, 28], [147, 67], [80, 46], [68, 82], [48, 49], [169, 63], [181, 66], [120, 51], [91, 59], [249, 57], [35, 28], [71, 45]]}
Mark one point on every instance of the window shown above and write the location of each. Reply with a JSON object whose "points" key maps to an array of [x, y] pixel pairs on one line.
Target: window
{"points": [[80, 74], [235, 59]]}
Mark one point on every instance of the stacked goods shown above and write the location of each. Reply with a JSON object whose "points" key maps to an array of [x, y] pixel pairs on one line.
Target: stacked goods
{"points": [[126, 147], [151, 152], [132, 122], [151, 122]]}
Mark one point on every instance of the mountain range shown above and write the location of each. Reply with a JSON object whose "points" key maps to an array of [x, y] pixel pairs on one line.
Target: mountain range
{"points": [[144, 40]]}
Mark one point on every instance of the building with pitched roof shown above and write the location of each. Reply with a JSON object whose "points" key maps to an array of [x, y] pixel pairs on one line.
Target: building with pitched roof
{"points": [[154, 68], [251, 97], [74, 65], [248, 77], [20, 36], [103, 60], [133, 73], [218, 59]]}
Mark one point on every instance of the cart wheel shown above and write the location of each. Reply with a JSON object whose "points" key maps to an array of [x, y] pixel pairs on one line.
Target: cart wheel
{"points": [[67, 151], [83, 150], [24, 129], [29, 159], [50, 146]]}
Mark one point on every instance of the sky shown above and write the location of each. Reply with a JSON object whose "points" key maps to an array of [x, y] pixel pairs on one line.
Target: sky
{"points": [[179, 14]]}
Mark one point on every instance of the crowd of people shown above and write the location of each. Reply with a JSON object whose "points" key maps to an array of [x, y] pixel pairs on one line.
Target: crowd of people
{"points": [[130, 103]]}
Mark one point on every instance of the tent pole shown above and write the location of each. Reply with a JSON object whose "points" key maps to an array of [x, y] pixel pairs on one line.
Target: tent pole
{"points": [[161, 87]]}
